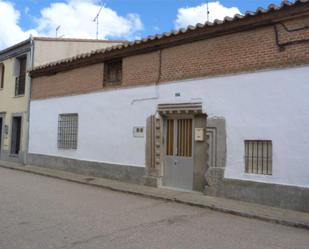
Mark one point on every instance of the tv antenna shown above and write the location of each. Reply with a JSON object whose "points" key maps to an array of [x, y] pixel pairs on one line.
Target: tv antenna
{"points": [[208, 12], [96, 19], [57, 29]]}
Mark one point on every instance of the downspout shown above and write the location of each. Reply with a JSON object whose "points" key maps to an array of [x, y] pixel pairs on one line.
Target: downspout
{"points": [[156, 85], [29, 99]]}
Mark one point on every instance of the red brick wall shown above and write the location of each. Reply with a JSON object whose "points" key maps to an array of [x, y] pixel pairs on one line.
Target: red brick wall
{"points": [[76, 81], [239, 52], [140, 69], [234, 53]]}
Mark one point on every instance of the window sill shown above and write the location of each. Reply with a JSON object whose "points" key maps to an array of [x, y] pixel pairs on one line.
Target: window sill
{"points": [[66, 149], [112, 83], [257, 175], [19, 96], [14, 155]]}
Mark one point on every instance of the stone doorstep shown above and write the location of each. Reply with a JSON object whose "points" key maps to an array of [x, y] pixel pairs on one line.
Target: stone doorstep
{"points": [[245, 209]]}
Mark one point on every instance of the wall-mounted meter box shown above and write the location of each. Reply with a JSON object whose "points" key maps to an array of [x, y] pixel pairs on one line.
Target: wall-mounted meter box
{"points": [[199, 134], [138, 131]]}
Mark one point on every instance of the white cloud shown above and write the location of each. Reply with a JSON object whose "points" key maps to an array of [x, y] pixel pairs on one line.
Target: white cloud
{"points": [[193, 15], [10, 31], [76, 20]]}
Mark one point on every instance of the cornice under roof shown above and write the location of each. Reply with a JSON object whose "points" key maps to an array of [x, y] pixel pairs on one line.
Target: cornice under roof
{"points": [[10, 50], [38, 38]]}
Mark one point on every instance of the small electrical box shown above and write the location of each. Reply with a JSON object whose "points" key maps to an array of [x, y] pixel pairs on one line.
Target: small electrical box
{"points": [[199, 134], [138, 131]]}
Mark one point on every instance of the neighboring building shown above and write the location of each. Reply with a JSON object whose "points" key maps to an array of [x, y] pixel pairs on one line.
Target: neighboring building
{"points": [[221, 108], [15, 85]]}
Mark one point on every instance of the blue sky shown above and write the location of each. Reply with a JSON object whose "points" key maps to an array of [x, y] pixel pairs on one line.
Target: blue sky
{"points": [[154, 13], [124, 19]]}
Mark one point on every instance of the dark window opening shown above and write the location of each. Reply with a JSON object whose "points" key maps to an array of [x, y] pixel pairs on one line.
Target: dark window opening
{"points": [[16, 135], [1, 75], [113, 72], [21, 79], [1, 124]]}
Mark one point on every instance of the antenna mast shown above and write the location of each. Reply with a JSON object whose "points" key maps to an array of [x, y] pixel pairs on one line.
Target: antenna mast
{"points": [[57, 30], [207, 4], [96, 19]]}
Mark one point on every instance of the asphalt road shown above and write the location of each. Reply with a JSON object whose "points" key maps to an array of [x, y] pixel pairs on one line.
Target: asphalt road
{"points": [[38, 212]]}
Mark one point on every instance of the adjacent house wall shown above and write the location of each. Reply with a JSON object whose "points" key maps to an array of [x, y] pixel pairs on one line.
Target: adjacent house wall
{"points": [[49, 49], [11, 105]]}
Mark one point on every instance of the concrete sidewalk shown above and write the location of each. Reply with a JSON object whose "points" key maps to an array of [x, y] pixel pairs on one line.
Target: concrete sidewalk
{"points": [[275, 215]]}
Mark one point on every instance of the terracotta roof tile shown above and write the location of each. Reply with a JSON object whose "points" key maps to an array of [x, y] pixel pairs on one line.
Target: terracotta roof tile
{"points": [[260, 10]]}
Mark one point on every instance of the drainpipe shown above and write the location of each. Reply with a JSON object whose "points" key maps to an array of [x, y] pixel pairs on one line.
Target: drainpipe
{"points": [[25, 161]]}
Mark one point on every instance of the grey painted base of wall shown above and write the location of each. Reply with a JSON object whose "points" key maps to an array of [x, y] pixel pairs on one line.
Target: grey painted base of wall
{"points": [[152, 181], [6, 156], [124, 173], [276, 195], [282, 196]]}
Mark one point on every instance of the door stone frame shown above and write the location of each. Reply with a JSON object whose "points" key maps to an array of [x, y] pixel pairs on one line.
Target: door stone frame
{"points": [[154, 142]]}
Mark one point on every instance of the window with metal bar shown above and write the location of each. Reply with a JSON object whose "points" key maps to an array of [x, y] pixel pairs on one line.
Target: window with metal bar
{"points": [[184, 137], [258, 157], [67, 131], [170, 137]]}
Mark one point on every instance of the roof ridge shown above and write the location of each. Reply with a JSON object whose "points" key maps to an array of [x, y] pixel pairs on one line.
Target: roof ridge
{"points": [[75, 39]]}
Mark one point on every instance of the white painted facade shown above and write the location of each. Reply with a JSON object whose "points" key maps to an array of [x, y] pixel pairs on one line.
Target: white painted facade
{"points": [[271, 105]]}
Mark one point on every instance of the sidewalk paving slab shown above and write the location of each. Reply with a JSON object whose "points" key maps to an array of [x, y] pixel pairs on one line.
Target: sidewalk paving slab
{"points": [[245, 209]]}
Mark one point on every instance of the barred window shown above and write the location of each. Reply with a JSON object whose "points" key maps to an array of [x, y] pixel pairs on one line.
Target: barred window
{"points": [[258, 157], [67, 131]]}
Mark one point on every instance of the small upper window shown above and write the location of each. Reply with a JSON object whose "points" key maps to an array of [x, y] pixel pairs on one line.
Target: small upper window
{"points": [[1, 75], [258, 157], [113, 72]]}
